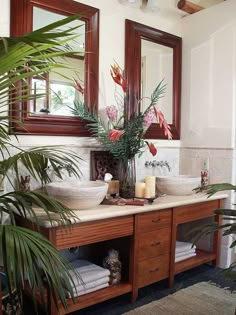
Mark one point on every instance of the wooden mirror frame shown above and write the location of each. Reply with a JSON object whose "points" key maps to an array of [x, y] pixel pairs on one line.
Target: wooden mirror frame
{"points": [[21, 23], [134, 33]]}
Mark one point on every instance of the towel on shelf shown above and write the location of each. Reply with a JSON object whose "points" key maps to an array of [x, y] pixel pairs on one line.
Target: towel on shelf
{"points": [[184, 257], [89, 285], [85, 291], [83, 271], [190, 251], [183, 246]]}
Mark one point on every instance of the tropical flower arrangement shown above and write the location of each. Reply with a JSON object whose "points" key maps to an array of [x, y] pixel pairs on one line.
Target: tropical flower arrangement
{"points": [[124, 138]]}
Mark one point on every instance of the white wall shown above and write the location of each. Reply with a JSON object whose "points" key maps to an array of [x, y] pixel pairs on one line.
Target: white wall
{"points": [[208, 89], [208, 98]]}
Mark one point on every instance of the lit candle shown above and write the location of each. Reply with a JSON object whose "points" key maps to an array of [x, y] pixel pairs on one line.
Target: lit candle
{"points": [[139, 190], [151, 185]]}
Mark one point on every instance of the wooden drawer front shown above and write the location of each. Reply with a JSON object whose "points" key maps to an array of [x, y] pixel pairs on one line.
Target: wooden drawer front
{"points": [[195, 212], [154, 243], [92, 232], [153, 220], [153, 270]]}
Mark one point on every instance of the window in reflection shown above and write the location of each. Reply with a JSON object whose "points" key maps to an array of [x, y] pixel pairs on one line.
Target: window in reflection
{"points": [[157, 65], [58, 86]]}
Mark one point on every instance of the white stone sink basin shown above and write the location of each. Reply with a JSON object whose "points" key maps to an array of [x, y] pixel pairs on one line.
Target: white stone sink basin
{"points": [[178, 185], [78, 195]]}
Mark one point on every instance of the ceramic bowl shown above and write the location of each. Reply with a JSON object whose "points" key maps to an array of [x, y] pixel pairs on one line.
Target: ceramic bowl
{"points": [[177, 185], [78, 195]]}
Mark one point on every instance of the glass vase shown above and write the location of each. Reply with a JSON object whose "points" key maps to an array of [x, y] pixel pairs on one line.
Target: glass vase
{"points": [[127, 178]]}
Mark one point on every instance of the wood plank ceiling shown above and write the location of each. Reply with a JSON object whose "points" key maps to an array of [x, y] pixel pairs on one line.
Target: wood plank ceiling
{"points": [[194, 6]]}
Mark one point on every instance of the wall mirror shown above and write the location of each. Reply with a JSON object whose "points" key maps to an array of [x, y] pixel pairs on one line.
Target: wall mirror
{"points": [[152, 55], [50, 115]]}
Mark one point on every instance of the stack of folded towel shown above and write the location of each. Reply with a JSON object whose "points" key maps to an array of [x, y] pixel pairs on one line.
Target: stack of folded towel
{"points": [[88, 277], [184, 250]]}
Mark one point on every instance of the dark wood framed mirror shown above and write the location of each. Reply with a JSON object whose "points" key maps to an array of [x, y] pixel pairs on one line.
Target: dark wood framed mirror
{"points": [[23, 20], [143, 71]]}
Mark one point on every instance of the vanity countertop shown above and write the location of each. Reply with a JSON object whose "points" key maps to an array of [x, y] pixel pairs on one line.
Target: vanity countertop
{"points": [[112, 211]]}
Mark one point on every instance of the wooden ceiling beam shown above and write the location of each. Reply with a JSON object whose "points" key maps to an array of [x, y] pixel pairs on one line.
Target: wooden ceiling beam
{"points": [[189, 7]]}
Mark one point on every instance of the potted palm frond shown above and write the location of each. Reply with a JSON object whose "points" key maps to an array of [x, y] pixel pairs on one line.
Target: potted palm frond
{"points": [[26, 254], [229, 224]]}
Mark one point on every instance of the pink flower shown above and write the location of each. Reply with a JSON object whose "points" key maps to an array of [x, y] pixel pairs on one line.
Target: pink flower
{"points": [[112, 112], [161, 119], [78, 87], [115, 134], [148, 118], [118, 77], [152, 148]]}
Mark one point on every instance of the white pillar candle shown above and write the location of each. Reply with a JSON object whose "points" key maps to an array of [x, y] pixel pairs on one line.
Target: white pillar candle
{"points": [[151, 184], [147, 193], [139, 190]]}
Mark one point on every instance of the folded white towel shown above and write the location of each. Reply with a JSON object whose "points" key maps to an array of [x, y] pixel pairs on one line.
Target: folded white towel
{"points": [[84, 271], [85, 291], [184, 257], [90, 285], [187, 252], [183, 246]]}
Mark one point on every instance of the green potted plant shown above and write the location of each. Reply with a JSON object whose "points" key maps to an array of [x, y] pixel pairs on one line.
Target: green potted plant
{"points": [[26, 254], [229, 224]]}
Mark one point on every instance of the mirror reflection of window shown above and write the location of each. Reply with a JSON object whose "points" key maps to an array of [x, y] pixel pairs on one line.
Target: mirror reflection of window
{"points": [[60, 91], [157, 64]]}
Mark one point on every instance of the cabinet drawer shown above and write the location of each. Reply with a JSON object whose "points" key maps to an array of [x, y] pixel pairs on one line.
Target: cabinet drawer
{"points": [[196, 211], [154, 243], [153, 220], [152, 270]]}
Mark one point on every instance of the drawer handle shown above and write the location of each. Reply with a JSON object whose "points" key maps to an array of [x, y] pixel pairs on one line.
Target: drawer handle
{"points": [[156, 220], [154, 270], [156, 244]]}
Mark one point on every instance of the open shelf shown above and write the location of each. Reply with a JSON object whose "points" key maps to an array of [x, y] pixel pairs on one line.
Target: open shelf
{"points": [[97, 296], [89, 298], [202, 257]]}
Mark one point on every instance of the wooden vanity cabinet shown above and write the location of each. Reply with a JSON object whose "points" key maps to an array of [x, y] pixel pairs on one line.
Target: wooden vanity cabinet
{"points": [[152, 238]]}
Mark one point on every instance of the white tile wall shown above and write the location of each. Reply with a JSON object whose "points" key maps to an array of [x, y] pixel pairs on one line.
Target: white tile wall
{"points": [[222, 165]]}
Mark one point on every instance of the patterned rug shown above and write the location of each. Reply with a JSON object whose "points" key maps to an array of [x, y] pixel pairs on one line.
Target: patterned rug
{"points": [[199, 299]]}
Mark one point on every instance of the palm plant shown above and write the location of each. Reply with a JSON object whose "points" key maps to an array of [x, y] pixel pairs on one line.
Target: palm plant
{"points": [[229, 225], [26, 254]]}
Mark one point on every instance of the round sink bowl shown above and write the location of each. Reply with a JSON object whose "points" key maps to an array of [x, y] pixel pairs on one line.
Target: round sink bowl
{"points": [[78, 195], [179, 185]]}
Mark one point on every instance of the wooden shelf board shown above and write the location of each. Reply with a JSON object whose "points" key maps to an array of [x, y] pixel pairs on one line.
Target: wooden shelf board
{"points": [[97, 296], [87, 299], [202, 257]]}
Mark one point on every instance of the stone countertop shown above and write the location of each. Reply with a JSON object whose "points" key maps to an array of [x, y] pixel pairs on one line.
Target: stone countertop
{"points": [[112, 211]]}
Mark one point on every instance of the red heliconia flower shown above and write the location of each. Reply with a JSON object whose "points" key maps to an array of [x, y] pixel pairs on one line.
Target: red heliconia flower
{"points": [[118, 77], [115, 134], [78, 87], [152, 148], [161, 119]]}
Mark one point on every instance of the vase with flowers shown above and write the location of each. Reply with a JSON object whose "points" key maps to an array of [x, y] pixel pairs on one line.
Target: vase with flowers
{"points": [[124, 137]]}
